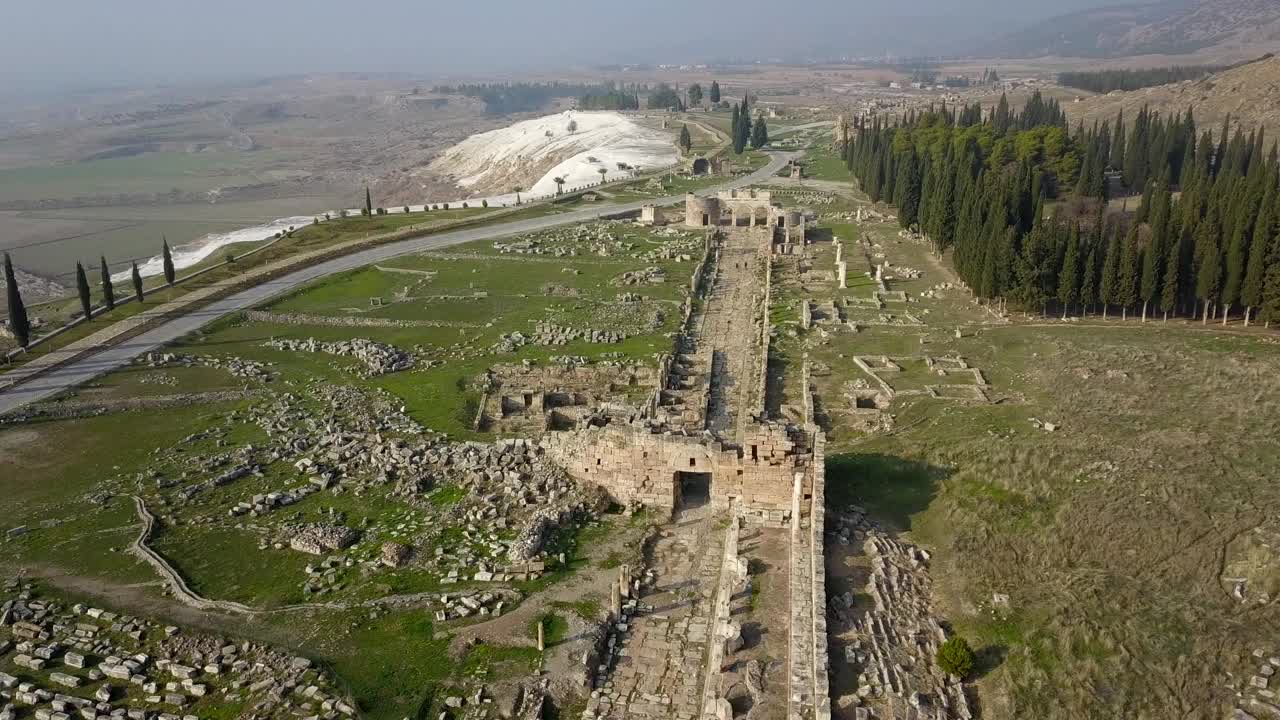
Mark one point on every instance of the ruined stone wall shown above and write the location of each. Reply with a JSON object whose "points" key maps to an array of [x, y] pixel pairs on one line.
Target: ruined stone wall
{"points": [[636, 465], [810, 691]]}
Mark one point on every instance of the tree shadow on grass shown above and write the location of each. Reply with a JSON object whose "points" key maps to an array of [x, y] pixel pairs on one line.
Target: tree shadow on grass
{"points": [[988, 658], [891, 488]]}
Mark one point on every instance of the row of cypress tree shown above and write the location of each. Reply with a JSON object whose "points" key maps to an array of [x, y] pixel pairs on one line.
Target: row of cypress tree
{"points": [[19, 320], [1204, 239], [744, 131]]}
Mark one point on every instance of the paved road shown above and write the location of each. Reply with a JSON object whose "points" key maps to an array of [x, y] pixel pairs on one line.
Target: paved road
{"points": [[79, 371]]}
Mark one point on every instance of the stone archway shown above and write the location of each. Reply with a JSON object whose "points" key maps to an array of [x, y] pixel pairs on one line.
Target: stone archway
{"points": [[701, 166]]}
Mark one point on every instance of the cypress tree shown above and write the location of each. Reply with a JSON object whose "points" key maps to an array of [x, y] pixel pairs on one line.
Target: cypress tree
{"points": [[167, 257], [19, 323], [1269, 310], [137, 283], [1089, 278], [759, 134], [1108, 288], [82, 286], [1069, 276], [735, 127], [686, 140], [1209, 271], [1170, 289], [1127, 276], [715, 92], [368, 202], [909, 201], [108, 290], [1264, 234]]}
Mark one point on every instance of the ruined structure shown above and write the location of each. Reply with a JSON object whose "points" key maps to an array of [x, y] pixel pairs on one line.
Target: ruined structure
{"points": [[703, 447], [748, 208]]}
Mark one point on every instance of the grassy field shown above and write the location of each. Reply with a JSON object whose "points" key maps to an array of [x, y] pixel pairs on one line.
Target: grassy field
{"points": [[70, 480], [1114, 536]]}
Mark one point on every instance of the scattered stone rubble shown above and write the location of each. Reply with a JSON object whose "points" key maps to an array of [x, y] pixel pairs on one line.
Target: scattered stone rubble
{"points": [[647, 276], [94, 663], [894, 643], [238, 367], [378, 358], [1256, 695]]}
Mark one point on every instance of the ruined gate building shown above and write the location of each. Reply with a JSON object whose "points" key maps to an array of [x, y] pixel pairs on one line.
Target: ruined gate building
{"points": [[706, 438]]}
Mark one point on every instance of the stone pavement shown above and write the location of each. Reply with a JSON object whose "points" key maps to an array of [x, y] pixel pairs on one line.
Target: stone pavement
{"points": [[659, 670], [729, 330]]}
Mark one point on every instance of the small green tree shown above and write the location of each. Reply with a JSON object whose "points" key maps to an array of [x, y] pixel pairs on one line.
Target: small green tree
{"points": [[686, 140], [955, 657], [137, 282], [18, 321], [167, 257], [714, 95], [695, 94], [82, 287], [108, 289], [368, 201], [759, 134]]}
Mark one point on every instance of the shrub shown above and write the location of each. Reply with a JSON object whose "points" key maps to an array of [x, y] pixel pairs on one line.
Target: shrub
{"points": [[956, 657]]}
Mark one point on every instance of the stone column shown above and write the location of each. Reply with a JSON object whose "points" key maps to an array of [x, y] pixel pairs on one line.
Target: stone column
{"points": [[615, 602], [839, 252], [541, 638], [842, 269], [624, 584]]}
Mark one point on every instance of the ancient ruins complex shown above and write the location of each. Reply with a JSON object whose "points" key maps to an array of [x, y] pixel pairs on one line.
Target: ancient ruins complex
{"points": [[704, 448]]}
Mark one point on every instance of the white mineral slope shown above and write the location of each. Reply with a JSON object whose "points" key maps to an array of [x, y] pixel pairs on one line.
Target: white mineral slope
{"points": [[493, 159], [184, 256]]}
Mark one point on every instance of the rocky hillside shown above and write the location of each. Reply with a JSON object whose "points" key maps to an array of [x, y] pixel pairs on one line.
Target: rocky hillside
{"points": [[1224, 28], [1250, 94]]}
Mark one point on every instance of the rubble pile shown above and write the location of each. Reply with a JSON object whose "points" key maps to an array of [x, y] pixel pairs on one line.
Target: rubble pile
{"points": [[547, 333], [89, 662], [647, 276], [378, 358], [894, 643], [238, 367]]}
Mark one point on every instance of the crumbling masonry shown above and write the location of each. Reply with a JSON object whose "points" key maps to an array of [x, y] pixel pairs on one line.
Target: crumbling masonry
{"points": [[705, 448]]}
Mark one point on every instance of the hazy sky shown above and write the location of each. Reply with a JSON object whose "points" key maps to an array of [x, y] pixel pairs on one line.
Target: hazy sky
{"points": [[92, 42]]}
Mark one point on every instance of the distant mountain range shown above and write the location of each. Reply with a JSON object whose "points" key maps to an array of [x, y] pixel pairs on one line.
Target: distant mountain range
{"points": [[1171, 27]]}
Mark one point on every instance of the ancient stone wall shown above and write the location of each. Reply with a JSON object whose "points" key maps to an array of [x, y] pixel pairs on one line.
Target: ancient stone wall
{"points": [[636, 465]]}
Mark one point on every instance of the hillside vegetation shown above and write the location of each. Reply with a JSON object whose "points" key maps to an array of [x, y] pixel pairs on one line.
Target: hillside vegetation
{"points": [[1164, 28], [1249, 94]]}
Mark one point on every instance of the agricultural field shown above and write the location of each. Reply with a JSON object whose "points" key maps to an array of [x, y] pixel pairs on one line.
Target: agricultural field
{"points": [[272, 448]]}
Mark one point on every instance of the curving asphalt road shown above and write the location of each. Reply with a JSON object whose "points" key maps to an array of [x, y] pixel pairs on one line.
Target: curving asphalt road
{"points": [[77, 372]]}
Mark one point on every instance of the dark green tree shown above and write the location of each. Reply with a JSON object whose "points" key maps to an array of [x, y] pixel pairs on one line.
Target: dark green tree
{"points": [[19, 323], [714, 95], [167, 257], [1127, 276], [695, 94], [686, 140], [759, 134], [955, 657], [1108, 287], [137, 282], [1262, 248], [1209, 271], [82, 287], [1069, 277], [1269, 310], [368, 202], [108, 289]]}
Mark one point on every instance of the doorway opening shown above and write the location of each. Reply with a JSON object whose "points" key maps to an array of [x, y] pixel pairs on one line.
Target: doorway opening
{"points": [[693, 490]]}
